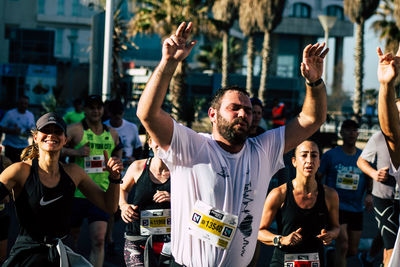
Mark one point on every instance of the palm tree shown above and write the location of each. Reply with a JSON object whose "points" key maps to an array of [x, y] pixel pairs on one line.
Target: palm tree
{"points": [[225, 13], [209, 57], [359, 11], [268, 15], [386, 26], [248, 25], [162, 17]]}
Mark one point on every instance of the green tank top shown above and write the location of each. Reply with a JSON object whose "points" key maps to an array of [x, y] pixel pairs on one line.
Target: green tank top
{"points": [[94, 164]]}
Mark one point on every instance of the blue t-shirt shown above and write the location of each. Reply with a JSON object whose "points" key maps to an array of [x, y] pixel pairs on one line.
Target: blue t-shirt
{"points": [[341, 172]]}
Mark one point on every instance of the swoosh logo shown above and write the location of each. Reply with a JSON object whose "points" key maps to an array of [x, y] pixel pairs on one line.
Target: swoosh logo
{"points": [[44, 203]]}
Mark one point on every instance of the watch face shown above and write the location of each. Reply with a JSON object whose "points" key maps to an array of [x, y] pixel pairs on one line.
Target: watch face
{"points": [[276, 238]]}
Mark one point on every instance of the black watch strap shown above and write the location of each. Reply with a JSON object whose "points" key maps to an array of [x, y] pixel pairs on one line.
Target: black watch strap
{"points": [[316, 83], [115, 181]]}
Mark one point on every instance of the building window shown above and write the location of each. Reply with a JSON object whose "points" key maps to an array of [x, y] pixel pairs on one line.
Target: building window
{"points": [[60, 7], [59, 42], [41, 4], [285, 66], [301, 10], [335, 11], [75, 8]]}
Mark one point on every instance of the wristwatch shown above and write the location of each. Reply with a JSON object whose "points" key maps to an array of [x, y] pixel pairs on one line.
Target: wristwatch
{"points": [[277, 241], [316, 83]]}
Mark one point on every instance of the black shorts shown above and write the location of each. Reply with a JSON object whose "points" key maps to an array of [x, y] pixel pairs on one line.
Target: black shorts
{"points": [[387, 215], [83, 208], [4, 226], [354, 220]]}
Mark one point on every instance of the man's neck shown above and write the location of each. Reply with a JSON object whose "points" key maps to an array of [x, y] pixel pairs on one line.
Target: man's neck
{"points": [[95, 126], [115, 122], [349, 149]]}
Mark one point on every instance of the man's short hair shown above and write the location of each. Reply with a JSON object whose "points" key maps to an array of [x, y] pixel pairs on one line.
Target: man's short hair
{"points": [[116, 107], [256, 102], [349, 124], [93, 100], [216, 101]]}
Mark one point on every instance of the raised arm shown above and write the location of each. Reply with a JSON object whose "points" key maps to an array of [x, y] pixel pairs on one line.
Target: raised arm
{"points": [[157, 122], [313, 113], [388, 70]]}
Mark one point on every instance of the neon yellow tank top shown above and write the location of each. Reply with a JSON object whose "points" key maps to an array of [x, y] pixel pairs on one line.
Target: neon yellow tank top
{"points": [[94, 164]]}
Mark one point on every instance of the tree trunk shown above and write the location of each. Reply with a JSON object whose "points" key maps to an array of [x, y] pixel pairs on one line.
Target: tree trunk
{"points": [[359, 71], [250, 66], [225, 53], [177, 89], [266, 56]]}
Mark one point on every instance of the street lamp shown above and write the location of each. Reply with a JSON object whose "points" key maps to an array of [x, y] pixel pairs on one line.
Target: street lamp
{"points": [[327, 23]]}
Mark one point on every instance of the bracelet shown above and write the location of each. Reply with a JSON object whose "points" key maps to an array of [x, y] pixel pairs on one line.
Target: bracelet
{"points": [[115, 181], [316, 83]]}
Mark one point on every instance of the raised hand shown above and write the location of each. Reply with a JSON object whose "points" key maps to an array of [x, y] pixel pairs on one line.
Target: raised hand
{"points": [[177, 47], [388, 67], [161, 196], [313, 62], [113, 165]]}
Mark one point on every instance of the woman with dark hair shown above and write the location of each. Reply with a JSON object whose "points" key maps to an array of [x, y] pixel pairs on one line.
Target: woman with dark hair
{"points": [[145, 207], [306, 212], [43, 189]]}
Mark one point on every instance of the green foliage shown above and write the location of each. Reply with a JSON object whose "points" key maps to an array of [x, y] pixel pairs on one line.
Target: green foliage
{"points": [[210, 58]]}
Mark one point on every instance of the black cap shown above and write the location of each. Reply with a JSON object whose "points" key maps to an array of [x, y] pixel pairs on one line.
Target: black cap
{"points": [[93, 100], [255, 101], [51, 118]]}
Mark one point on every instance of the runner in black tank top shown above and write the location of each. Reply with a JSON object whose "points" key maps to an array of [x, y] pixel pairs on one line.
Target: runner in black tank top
{"points": [[146, 187], [44, 215], [306, 213], [43, 190]]}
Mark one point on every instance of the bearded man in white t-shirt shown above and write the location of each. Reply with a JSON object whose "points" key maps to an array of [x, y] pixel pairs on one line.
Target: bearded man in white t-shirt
{"points": [[219, 181]]}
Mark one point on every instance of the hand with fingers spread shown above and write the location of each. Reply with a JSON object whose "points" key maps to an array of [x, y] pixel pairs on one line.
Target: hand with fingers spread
{"points": [[326, 237], [113, 165], [129, 212], [161, 196], [313, 62], [177, 47], [293, 239], [388, 67]]}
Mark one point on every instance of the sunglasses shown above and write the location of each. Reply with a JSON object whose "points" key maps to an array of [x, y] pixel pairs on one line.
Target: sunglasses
{"points": [[55, 131]]}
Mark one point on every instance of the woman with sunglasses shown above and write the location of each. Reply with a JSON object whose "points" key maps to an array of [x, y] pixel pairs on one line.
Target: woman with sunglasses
{"points": [[43, 189]]}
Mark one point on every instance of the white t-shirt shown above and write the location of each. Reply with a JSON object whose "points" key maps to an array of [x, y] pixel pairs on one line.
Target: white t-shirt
{"points": [[129, 135], [395, 259], [235, 183], [24, 121]]}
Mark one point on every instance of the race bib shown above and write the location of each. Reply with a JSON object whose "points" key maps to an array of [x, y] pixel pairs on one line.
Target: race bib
{"points": [[212, 225], [347, 181], [302, 260], [95, 164], [155, 222]]}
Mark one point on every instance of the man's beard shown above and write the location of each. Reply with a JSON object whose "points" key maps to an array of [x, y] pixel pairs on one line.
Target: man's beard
{"points": [[227, 130]]}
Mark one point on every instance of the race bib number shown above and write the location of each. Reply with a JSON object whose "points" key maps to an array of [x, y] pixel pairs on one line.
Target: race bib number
{"points": [[302, 260], [155, 222], [347, 181], [212, 225], [95, 164]]}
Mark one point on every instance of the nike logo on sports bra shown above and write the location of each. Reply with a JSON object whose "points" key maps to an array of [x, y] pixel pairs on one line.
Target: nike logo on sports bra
{"points": [[44, 203]]}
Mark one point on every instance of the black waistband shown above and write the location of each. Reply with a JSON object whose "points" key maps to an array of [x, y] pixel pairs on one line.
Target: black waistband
{"points": [[173, 263]]}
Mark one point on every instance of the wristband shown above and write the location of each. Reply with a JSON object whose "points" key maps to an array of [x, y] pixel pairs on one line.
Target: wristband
{"points": [[316, 83], [115, 181]]}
